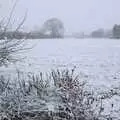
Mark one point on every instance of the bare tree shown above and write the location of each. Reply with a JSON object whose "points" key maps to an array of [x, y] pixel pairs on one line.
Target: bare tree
{"points": [[10, 47], [54, 27]]}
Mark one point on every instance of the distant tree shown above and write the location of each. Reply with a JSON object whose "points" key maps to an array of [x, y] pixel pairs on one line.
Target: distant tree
{"points": [[98, 33], [108, 33], [116, 31], [54, 28]]}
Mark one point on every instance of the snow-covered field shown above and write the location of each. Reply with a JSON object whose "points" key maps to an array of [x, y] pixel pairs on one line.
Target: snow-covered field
{"points": [[97, 59]]}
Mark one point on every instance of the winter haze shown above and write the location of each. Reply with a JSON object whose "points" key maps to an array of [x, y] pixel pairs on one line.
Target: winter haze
{"points": [[59, 59], [77, 15]]}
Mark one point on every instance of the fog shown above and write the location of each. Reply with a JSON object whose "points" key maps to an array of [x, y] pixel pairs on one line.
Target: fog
{"points": [[59, 60], [77, 15]]}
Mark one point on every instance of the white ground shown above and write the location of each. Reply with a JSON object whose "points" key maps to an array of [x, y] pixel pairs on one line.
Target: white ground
{"points": [[97, 59]]}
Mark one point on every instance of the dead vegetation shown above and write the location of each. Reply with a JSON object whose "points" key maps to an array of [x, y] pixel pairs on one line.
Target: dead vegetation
{"points": [[59, 95]]}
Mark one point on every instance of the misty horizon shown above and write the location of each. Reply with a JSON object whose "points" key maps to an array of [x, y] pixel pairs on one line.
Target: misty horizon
{"points": [[77, 16]]}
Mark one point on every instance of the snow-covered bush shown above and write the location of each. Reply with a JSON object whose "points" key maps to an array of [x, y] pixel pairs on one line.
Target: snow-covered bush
{"points": [[10, 50], [31, 94], [78, 103], [60, 94]]}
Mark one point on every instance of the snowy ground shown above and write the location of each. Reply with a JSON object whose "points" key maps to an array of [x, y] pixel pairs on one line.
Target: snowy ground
{"points": [[97, 59]]}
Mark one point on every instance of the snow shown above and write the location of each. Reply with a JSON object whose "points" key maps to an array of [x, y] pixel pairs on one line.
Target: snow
{"points": [[97, 59]]}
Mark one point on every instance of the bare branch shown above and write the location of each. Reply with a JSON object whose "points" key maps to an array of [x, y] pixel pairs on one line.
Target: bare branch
{"points": [[9, 19], [22, 22]]}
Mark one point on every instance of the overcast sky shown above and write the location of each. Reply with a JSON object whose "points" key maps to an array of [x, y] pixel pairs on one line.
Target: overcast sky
{"points": [[77, 15]]}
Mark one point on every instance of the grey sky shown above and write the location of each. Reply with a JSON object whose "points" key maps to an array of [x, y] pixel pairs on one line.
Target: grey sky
{"points": [[77, 15]]}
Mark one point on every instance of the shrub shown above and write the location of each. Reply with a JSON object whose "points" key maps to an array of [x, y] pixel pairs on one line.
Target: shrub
{"points": [[58, 95]]}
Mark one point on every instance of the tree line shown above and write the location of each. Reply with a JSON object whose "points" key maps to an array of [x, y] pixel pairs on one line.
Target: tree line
{"points": [[52, 28], [112, 33]]}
